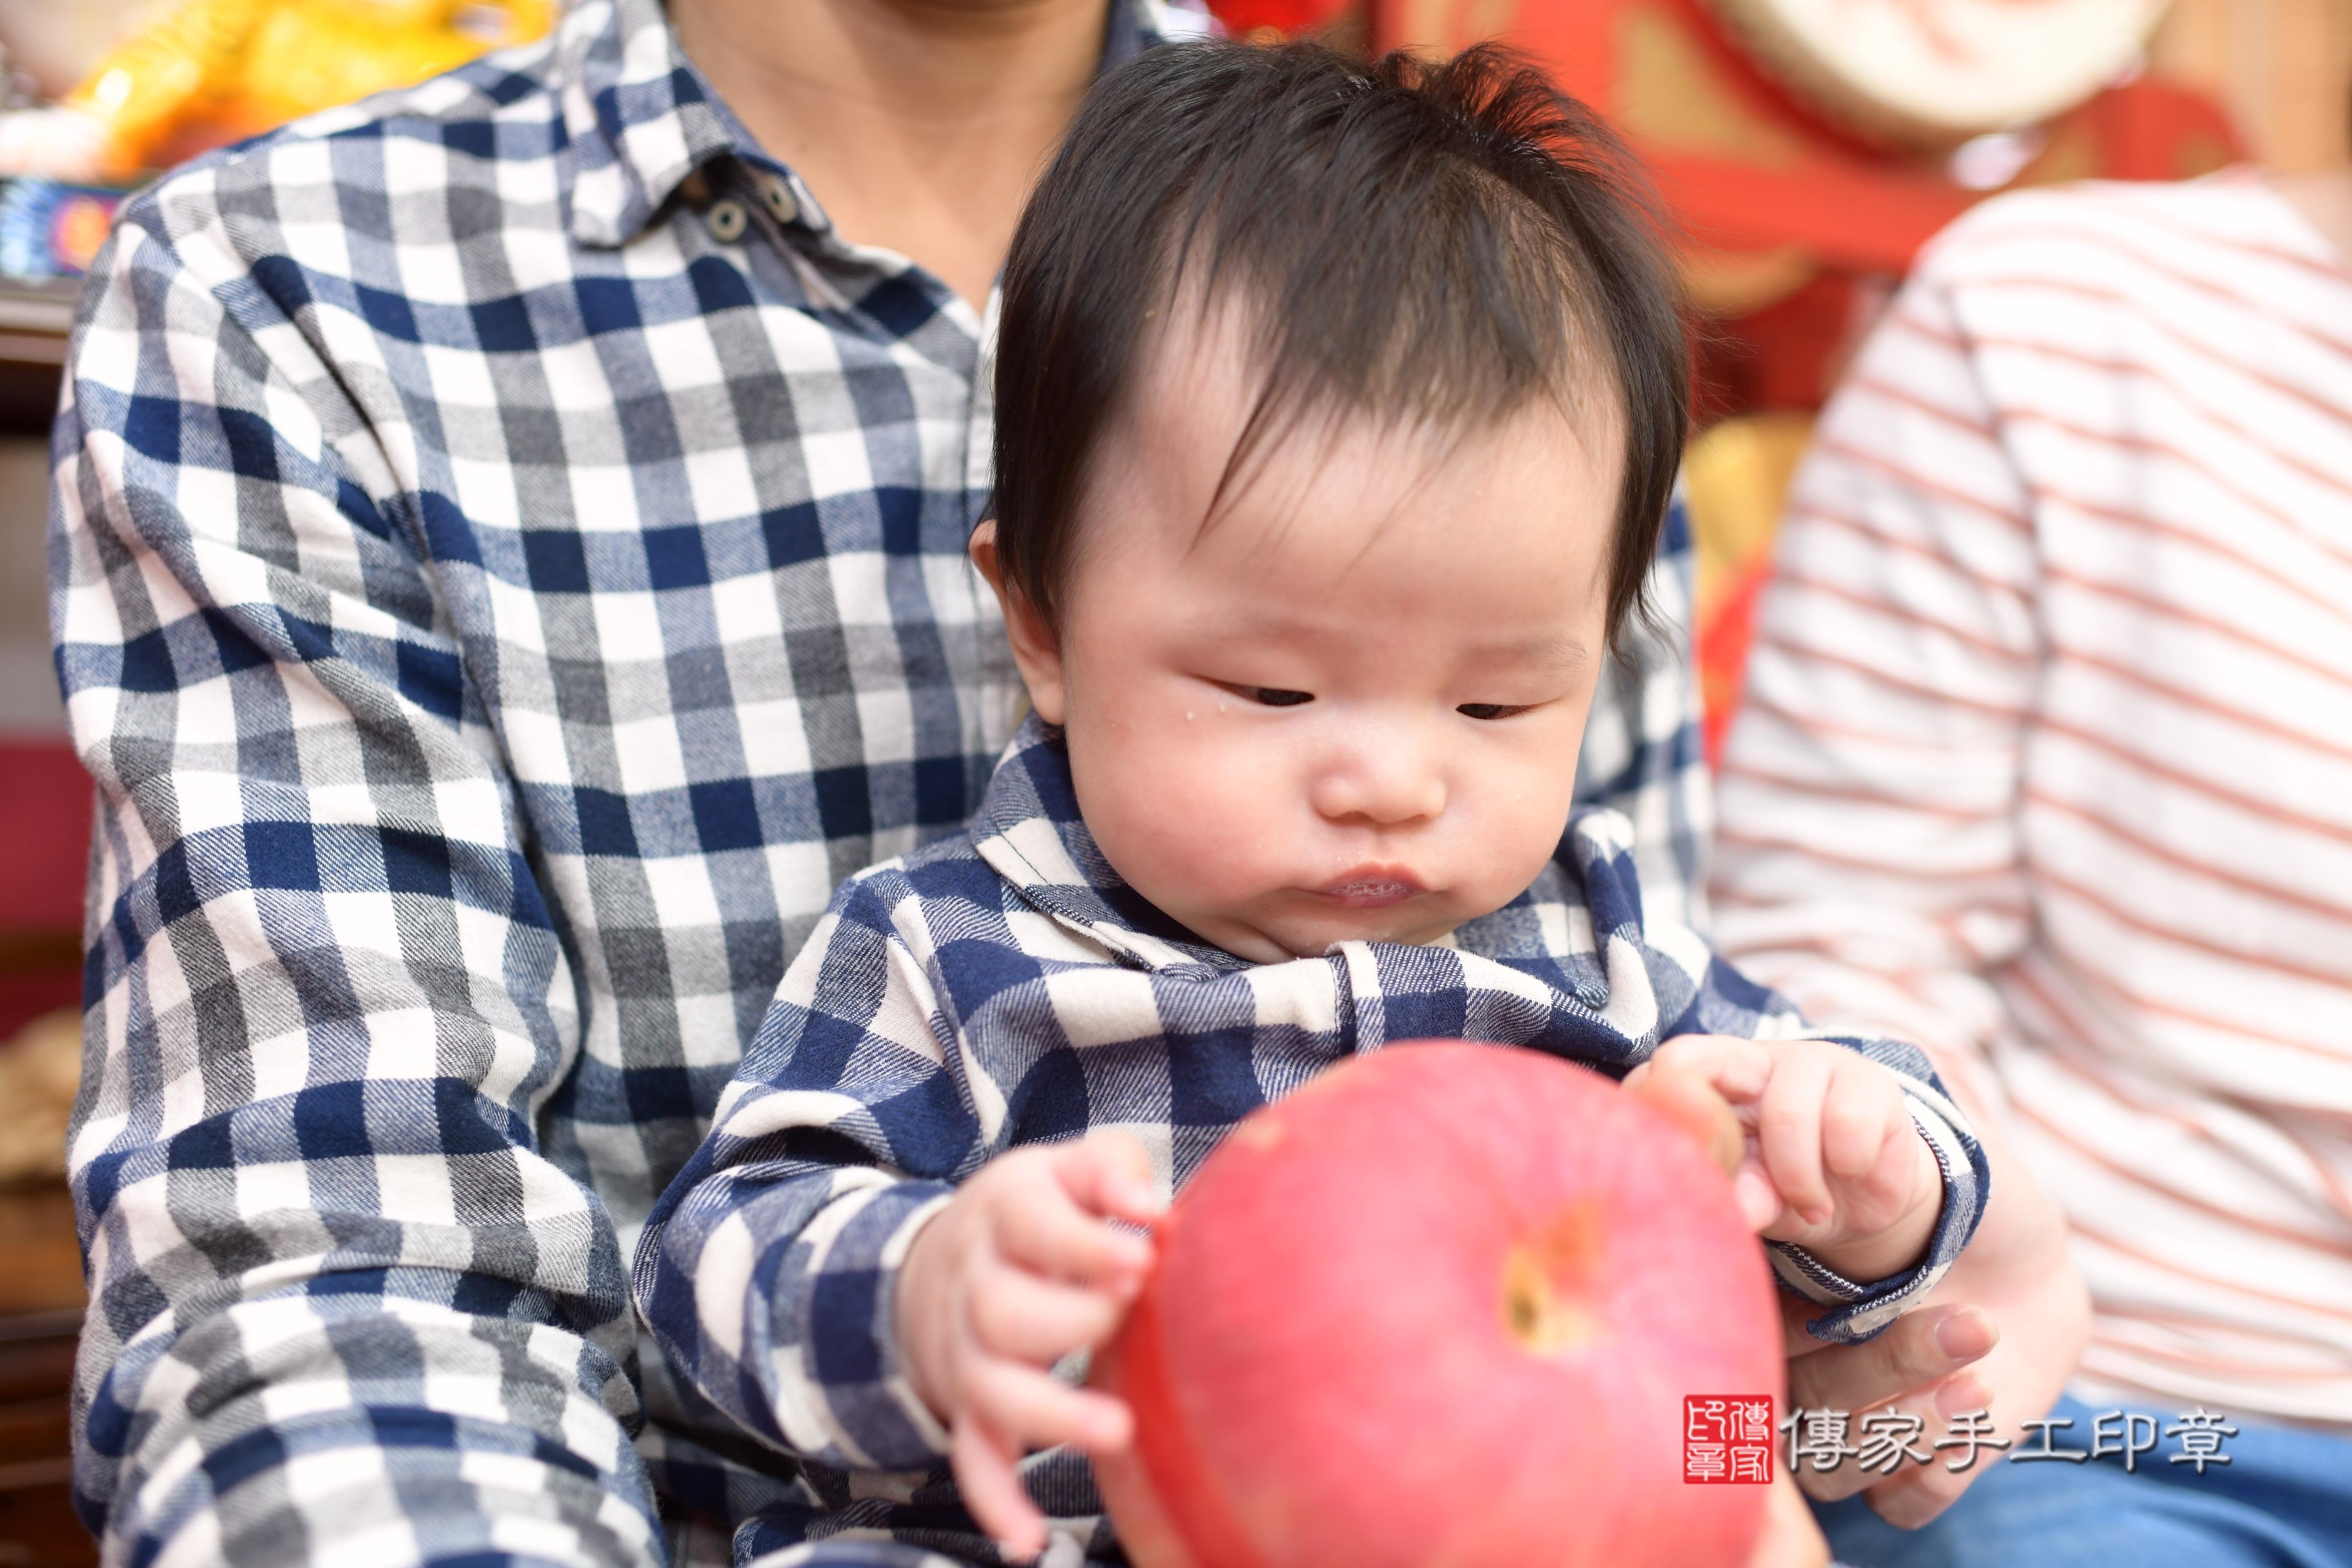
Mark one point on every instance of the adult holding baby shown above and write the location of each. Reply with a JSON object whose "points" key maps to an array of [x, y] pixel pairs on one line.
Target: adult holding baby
{"points": [[508, 567], [2043, 764]]}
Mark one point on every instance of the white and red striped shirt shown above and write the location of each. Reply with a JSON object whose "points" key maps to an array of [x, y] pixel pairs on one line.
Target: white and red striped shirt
{"points": [[2046, 760]]}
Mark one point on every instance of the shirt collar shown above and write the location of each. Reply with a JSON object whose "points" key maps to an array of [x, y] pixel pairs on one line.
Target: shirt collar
{"points": [[639, 118], [1029, 832]]}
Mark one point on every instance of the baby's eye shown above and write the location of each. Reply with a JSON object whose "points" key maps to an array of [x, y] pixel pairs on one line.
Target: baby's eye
{"points": [[1489, 709], [1274, 696]]}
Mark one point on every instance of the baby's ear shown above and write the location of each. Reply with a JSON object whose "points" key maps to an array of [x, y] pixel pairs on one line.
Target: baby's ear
{"points": [[1037, 650]]}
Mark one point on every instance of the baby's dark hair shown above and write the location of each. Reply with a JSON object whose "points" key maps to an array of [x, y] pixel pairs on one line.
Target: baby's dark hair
{"points": [[1436, 243]]}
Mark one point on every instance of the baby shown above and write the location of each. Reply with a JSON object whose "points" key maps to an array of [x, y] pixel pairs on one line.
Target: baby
{"points": [[1338, 410]]}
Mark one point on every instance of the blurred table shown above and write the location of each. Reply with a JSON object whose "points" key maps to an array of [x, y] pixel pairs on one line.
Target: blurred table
{"points": [[40, 1314], [46, 797], [34, 320]]}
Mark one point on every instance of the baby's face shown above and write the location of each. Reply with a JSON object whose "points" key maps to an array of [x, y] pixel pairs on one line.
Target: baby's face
{"points": [[1347, 704]]}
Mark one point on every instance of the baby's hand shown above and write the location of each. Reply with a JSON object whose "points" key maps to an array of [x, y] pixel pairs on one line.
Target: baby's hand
{"points": [[1832, 1161], [1019, 1269]]}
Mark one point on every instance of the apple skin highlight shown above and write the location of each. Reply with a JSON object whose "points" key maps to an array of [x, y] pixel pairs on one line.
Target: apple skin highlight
{"points": [[1440, 1308]]}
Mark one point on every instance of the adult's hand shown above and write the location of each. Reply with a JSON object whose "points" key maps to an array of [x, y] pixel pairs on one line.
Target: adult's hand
{"points": [[2001, 1331]]}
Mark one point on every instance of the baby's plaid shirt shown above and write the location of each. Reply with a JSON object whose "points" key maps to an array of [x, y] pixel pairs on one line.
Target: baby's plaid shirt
{"points": [[1004, 987]]}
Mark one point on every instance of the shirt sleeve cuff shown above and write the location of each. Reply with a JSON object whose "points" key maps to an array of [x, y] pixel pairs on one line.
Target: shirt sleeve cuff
{"points": [[1860, 1310], [853, 1383]]}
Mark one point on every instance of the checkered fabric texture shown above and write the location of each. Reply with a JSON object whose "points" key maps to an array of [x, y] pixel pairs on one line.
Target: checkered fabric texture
{"points": [[1003, 988], [507, 569]]}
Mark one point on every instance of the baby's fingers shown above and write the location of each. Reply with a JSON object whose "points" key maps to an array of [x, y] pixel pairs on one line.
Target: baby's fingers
{"points": [[1049, 1232], [1680, 1082], [1040, 1412], [1734, 1068], [986, 1473], [1863, 1110], [1788, 1132], [1022, 1315], [1110, 1174]]}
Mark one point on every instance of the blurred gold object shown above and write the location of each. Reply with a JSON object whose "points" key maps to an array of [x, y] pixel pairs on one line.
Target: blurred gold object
{"points": [[39, 1071], [1737, 477], [1673, 94], [2281, 67], [213, 71], [1722, 283]]}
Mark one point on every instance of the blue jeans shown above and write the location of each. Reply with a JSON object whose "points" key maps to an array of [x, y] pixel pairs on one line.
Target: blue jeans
{"points": [[2284, 1501]]}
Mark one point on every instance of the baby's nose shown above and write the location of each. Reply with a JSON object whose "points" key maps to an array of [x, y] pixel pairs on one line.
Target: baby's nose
{"points": [[1384, 790]]}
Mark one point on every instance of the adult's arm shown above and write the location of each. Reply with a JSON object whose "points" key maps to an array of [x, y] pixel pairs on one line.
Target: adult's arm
{"points": [[342, 1301], [1867, 860]]}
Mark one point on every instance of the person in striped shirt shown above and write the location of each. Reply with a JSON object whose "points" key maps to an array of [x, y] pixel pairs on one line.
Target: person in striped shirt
{"points": [[1310, 551], [2045, 761]]}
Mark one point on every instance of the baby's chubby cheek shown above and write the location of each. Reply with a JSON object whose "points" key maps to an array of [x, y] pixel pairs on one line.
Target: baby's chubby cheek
{"points": [[1205, 813], [1522, 828], [1193, 818]]}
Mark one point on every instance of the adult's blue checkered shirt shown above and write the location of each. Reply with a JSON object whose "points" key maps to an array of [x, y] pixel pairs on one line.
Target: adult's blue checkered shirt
{"points": [[507, 569]]}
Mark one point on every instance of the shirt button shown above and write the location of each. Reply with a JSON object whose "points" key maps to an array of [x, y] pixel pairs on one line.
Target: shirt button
{"points": [[780, 199], [727, 220]]}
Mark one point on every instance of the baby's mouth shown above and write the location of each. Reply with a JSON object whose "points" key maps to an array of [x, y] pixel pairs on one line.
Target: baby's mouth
{"points": [[1372, 888]]}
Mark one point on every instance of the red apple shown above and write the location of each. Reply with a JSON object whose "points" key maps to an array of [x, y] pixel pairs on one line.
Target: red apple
{"points": [[1440, 1310]]}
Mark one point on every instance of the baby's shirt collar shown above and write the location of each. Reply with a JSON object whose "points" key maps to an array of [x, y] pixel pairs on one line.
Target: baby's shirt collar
{"points": [[1030, 833]]}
